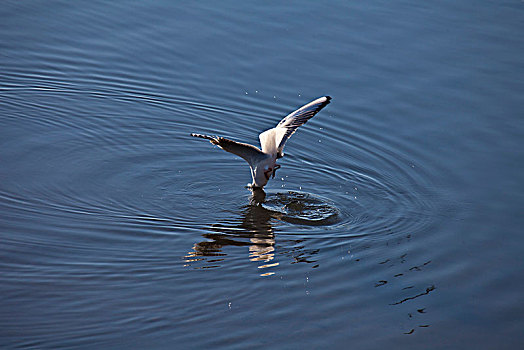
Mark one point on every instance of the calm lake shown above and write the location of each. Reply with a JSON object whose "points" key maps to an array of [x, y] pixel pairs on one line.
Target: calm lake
{"points": [[395, 221]]}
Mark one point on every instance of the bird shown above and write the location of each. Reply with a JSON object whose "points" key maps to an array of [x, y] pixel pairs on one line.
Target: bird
{"points": [[262, 161]]}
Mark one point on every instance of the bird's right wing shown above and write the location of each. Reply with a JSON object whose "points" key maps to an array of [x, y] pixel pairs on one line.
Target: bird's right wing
{"points": [[246, 151]]}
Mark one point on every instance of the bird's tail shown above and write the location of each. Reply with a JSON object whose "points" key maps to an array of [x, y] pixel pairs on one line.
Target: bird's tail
{"points": [[213, 139]]}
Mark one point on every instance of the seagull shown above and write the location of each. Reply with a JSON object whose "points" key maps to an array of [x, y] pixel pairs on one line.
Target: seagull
{"points": [[263, 162]]}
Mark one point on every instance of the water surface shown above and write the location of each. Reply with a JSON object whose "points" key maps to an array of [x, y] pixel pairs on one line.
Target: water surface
{"points": [[394, 221]]}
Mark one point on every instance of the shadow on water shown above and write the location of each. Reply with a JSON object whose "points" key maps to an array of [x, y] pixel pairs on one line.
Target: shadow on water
{"points": [[254, 229]]}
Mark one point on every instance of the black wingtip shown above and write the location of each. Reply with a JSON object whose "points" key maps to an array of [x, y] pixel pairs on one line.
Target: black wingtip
{"points": [[326, 102]]}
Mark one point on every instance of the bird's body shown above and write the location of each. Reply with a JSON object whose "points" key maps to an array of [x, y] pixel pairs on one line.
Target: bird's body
{"points": [[263, 162]]}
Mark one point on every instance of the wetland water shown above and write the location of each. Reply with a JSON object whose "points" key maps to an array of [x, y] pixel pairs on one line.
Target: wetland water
{"points": [[395, 220]]}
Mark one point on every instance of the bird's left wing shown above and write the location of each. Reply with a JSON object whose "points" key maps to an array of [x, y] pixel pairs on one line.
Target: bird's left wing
{"points": [[273, 140], [246, 151]]}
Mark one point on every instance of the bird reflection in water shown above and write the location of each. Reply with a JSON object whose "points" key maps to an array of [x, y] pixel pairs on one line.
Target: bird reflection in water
{"points": [[254, 230]]}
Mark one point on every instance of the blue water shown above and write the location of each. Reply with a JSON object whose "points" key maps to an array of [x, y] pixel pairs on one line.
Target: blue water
{"points": [[395, 220]]}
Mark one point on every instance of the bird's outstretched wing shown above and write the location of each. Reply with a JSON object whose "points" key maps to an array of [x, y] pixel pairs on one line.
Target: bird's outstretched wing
{"points": [[249, 153], [273, 140]]}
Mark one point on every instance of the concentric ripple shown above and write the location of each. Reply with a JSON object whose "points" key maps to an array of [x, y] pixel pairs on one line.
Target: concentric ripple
{"points": [[143, 168], [301, 208], [136, 180]]}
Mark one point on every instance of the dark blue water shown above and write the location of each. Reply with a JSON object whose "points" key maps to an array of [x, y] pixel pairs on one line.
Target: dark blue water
{"points": [[395, 220]]}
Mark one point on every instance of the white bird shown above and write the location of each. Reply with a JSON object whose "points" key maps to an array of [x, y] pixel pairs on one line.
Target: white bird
{"points": [[263, 163]]}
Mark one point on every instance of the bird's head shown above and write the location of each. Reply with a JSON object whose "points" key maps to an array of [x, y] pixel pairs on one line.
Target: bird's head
{"points": [[270, 170], [267, 172]]}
